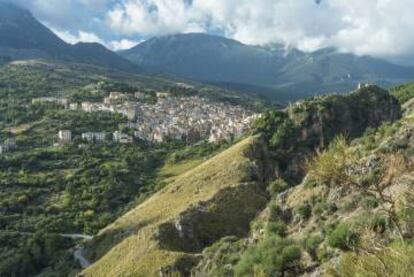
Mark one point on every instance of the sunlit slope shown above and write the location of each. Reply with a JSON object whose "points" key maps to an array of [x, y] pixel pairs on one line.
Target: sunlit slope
{"points": [[165, 233]]}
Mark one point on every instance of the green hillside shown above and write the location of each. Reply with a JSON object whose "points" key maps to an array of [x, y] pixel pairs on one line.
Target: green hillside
{"points": [[226, 218], [48, 189], [196, 209]]}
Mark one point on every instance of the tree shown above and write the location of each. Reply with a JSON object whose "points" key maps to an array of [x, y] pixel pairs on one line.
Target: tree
{"points": [[338, 166]]}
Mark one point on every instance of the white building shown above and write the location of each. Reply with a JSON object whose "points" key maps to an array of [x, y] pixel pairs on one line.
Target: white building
{"points": [[94, 137], [65, 136], [73, 106], [122, 138]]}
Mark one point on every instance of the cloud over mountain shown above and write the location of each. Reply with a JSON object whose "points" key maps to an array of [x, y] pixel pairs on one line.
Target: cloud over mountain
{"points": [[375, 27], [382, 28]]}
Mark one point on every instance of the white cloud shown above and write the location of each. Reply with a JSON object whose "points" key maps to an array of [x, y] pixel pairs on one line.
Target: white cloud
{"points": [[153, 17], [80, 36], [122, 44], [376, 27]]}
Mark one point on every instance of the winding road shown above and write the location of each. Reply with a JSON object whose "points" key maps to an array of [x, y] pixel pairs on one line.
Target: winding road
{"points": [[78, 255], [79, 252]]}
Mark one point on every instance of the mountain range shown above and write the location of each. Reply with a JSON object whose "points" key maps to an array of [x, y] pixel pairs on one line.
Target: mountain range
{"points": [[279, 73], [22, 36]]}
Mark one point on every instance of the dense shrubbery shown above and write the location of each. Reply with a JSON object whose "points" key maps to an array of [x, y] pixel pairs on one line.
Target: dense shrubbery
{"points": [[273, 256], [343, 237]]}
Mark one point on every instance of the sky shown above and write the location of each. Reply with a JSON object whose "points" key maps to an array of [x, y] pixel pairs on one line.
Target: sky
{"points": [[381, 28]]}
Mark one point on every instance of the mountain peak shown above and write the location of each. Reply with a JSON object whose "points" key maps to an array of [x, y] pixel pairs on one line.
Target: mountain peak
{"points": [[22, 36]]}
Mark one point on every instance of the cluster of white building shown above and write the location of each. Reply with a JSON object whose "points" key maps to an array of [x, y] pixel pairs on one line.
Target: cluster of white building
{"points": [[190, 118], [170, 118], [65, 137]]}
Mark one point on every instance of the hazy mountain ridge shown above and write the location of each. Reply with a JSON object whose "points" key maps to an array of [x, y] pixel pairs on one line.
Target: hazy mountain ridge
{"points": [[22, 36], [276, 71]]}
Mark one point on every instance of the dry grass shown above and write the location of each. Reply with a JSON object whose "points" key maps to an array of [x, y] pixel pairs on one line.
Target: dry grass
{"points": [[137, 253], [169, 172]]}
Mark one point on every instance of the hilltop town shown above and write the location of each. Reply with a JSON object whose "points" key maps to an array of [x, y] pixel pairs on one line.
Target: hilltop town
{"points": [[189, 118]]}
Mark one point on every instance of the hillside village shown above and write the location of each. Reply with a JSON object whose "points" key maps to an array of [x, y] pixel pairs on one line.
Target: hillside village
{"points": [[190, 118]]}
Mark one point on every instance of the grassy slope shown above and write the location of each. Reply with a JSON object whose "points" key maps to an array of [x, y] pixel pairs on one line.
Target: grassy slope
{"points": [[138, 253]]}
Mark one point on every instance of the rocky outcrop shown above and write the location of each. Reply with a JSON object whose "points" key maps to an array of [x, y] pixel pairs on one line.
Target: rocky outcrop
{"points": [[318, 121], [207, 222]]}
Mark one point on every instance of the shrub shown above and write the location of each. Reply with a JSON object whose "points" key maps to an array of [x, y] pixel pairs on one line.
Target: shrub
{"points": [[343, 237], [319, 208], [273, 256], [311, 243], [329, 167], [275, 212], [304, 211], [277, 228], [277, 187]]}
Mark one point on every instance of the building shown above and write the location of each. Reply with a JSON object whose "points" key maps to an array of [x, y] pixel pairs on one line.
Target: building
{"points": [[140, 95], [115, 98], [363, 85], [122, 138], [73, 106], [87, 106], [8, 145], [65, 136], [130, 112], [97, 137], [162, 94]]}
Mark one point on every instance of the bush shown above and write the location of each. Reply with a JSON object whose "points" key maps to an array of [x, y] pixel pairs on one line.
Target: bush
{"points": [[277, 228], [311, 243], [275, 212], [329, 167], [343, 237], [277, 186], [273, 256], [319, 208], [369, 202], [304, 211]]}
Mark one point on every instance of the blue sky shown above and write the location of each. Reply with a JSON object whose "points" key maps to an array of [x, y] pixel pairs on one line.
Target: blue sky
{"points": [[382, 28]]}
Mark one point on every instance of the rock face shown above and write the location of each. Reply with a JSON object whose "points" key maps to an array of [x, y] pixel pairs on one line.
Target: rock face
{"points": [[207, 222]]}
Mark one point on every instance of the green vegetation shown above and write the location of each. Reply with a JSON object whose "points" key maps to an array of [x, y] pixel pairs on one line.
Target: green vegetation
{"points": [[273, 256], [295, 133], [46, 189], [343, 237], [396, 260], [403, 92]]}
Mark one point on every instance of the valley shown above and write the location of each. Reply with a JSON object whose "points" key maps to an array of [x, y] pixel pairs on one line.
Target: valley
{"points": [[54, 180], [167, 148]]}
